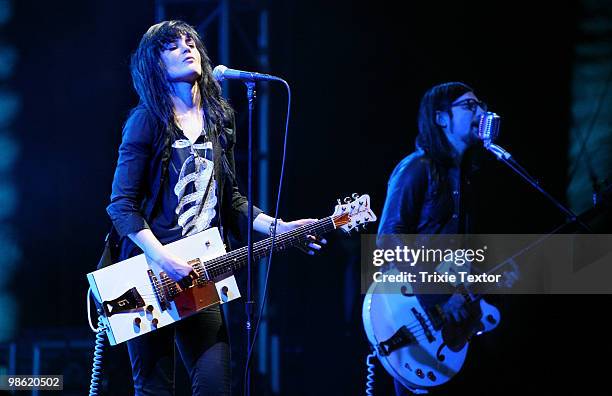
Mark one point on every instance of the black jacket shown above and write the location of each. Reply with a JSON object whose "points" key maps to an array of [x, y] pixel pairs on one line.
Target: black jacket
{"points": [[136, 184], [423, 197]]}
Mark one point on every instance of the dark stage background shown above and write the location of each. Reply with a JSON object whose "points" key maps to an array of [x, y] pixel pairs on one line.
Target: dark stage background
{"points": [[358, 71]]}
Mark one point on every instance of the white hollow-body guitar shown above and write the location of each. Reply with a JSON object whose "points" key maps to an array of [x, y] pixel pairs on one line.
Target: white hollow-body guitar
{"points": [[419, 347], [134, 297]]}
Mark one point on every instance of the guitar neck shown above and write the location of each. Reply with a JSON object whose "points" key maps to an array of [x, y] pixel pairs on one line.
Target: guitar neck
{"points": [[237, 259]]}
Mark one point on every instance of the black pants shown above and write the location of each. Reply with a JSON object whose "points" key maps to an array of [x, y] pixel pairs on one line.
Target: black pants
{"points": [[203, 344]]}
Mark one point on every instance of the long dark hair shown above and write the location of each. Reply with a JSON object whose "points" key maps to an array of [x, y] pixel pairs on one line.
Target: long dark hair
{"points": [[431, 137], [150, 80]]}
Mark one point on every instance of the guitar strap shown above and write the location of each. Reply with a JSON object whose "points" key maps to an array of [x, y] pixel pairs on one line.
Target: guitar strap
{"points": [[111, 249]]}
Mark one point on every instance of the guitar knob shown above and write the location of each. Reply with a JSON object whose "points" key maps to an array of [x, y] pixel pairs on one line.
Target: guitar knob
{"points": [[154, 322], [137, 322], [150, 308], [431, 376], [420, 373]]}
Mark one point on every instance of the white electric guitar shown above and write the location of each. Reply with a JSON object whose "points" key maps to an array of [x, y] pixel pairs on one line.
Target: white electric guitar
{"points": [[420, 347], [135, 297]]}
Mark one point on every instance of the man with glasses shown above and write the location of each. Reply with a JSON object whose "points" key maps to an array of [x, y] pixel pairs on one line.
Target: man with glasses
{"points": [[428, 192]]}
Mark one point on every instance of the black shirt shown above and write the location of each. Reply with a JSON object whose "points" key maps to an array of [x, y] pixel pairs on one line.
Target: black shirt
{"points": [[189, 196]]}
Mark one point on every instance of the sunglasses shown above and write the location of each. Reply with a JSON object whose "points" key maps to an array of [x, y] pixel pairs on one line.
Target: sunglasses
{"points": [[471, 105]]}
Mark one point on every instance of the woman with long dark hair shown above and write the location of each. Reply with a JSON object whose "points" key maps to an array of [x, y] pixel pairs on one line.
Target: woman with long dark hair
{"points": [[175, 177]]}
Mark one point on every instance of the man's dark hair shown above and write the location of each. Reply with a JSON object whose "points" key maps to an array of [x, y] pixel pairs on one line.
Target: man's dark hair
{"points": [[431, 137]]}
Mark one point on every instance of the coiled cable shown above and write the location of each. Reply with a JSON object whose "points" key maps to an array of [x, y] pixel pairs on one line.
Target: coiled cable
{"points": [[96, 372], [370, 376]]}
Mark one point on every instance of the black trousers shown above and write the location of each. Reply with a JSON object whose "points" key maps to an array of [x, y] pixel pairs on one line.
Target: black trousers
{"points": [[203, 344]]}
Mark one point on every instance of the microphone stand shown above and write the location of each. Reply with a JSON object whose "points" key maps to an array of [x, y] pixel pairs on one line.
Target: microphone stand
{"points": [[249, 304], [507, 159]]}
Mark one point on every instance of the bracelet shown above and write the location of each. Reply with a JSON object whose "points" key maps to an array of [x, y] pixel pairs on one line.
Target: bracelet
{"points": [[271, 230]]}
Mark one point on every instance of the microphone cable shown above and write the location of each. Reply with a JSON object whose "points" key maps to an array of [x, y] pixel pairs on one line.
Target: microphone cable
{"points": [[278, 197]]}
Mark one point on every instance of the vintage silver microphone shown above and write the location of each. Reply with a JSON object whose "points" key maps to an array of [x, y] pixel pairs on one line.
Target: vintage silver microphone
{"points": [[488, 130]]}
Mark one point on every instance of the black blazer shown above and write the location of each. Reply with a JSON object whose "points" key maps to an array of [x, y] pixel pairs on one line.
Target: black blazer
{"points": [[136, 183]]}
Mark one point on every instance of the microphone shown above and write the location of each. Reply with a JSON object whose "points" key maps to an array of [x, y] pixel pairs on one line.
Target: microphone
{"points": [[488, 128], [221, 73]]}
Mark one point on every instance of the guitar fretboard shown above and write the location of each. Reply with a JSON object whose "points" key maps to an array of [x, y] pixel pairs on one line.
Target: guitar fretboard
{"points": [[237, 259]]}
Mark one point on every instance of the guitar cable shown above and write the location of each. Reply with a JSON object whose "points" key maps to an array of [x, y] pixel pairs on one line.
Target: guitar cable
{"points": [[370, 376], [96, 371]]}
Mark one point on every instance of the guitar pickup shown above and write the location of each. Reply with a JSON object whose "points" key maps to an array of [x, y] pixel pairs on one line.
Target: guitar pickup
{"points": [[159, 291], [128, 301], [424, 326]]}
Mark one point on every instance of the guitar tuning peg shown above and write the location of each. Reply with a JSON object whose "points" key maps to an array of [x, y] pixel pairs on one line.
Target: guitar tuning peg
{"points": [[355, 196], [339, 202], [347, 200]]}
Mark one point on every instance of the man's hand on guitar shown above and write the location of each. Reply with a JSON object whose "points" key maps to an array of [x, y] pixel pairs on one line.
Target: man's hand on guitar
{"points": [[312, 245], [455, 309], [510, 274]]}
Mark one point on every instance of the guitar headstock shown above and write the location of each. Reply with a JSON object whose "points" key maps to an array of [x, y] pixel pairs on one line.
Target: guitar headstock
{"points": [[355, 212]]}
